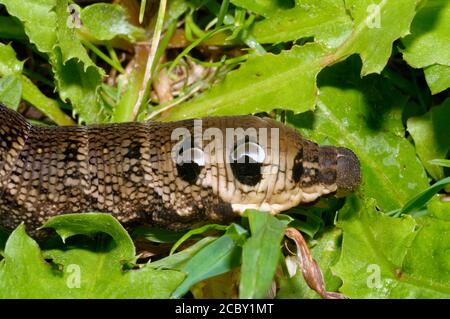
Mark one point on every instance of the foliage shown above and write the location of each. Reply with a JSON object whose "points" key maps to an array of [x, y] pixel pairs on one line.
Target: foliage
{"points": [[429, 134], [386, 257], [372, 76], [80, 271]]}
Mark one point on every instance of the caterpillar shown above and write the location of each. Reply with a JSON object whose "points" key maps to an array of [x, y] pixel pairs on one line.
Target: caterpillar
{"points": [[172, 175]]}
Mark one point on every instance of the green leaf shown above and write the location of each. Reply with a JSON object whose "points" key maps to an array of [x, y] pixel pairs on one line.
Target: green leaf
{"points": [[3, 238], [78, 78], [80, 87], [284, 219], [217, 258], [387, 257], [261, 84], [113, 22], [10, 91], [50, 107], [439, 209], [157, 235], [431, 138], [312, 222], [175, 8], [326, 251], [265, 8], [260, 254], [178, 261], [9, 64], [377, 24], [11, 28], [428, 43], [327, 21], [38, 19], [68, 43], [80, 271], [438, 77], [440, 162], [365, 116], [418, 201], [196, 231], [238, 233], [91, 224]]}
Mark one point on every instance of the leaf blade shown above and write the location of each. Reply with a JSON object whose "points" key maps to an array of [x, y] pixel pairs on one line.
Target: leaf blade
{"points": [[377, 24], [260, 255], [431, 140], [219, 257], [99, 273], [260, 84], [385, 257]]}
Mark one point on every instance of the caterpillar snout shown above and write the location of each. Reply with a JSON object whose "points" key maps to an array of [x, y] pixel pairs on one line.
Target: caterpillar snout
{"points": [[339, 166], [348, 172]]}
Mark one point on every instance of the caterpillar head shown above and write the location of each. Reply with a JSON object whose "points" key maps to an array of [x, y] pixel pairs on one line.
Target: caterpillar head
{"points": [[265, 165]]}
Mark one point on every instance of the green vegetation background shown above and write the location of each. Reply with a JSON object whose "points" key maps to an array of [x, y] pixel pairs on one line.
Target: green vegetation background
{"points": [[369, 75]]}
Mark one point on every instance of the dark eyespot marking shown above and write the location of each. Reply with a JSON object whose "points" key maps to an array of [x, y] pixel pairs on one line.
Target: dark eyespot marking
{"points": [[247, 173], [297, 169], [246, 161], [134, 151], [190, 161]]}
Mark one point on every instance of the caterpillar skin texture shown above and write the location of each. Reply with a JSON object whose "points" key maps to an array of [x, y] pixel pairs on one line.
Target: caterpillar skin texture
{"points": [[128, 170]]}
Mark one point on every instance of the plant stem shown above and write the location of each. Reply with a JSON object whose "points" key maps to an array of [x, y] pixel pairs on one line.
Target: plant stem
{"points": [[103, 56], [194, 44], [151, 60], [222, 12], [142, 10]]}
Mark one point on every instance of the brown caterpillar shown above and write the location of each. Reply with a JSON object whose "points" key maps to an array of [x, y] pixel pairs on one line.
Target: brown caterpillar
{"points": [[151, 173]]}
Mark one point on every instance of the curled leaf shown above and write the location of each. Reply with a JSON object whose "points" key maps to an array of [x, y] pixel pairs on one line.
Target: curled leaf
{"points": [[310, 270]]}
